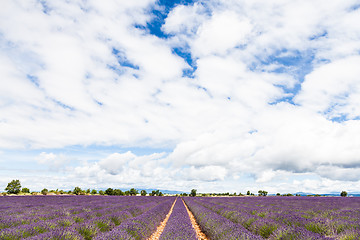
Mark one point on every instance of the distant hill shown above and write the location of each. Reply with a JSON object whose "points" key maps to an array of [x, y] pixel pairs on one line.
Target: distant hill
{"points": [[163, 191], [329, 194], [304, 193], [322, 194], [338, 194]]}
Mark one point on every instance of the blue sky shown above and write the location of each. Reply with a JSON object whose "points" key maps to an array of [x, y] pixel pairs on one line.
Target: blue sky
{"points": [[216, 95]]}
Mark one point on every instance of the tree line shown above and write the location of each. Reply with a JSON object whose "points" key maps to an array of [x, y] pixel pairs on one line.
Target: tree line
{"points": [[14, 187]]}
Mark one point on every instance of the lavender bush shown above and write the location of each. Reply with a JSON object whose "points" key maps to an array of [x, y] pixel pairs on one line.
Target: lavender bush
{"points": [[179, 225], [216, 226], [142, 226], [74, 217], [287, 217], [126, 217]]}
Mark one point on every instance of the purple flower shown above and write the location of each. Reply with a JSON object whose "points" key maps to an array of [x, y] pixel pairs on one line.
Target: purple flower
{"points": [[179, 225]]}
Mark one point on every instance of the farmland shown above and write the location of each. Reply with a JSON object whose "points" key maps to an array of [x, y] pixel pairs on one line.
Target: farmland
{"points": [[138, 217], [278, 217]]}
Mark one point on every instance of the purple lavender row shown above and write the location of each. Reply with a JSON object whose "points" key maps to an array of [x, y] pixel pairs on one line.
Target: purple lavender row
{"points": [[261, 226], [25, 215], [179, 225], [48, 217], [26, 210], [331, 216], [216, 226], [298, 217], [140, 227], [91, 227], [84, 224]]}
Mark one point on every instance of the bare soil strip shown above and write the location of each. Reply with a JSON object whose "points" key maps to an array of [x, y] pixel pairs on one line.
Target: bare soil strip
{"points": [[160, 229], [200, 235]]}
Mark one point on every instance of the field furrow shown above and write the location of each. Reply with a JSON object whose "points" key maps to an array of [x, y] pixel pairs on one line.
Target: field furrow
{"points": [[179, 225], [199, 234], [156, 235]]}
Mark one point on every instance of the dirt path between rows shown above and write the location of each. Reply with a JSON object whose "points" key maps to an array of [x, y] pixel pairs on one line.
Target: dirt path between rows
{"points": [[160, 229], [200, 235]]}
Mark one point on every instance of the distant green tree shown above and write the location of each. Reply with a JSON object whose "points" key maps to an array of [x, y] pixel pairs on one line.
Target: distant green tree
{"points": [[44, 191], [278, 194], [77, 191], [118, 192], [262, 193], [248, 193], [25, 190], [157, 192], [193, 193], [153, 193], [160, 194], [101, 192], [143, 192], [13, 187], [343, 194], [133, 192], [109, 191], [88, 191]]}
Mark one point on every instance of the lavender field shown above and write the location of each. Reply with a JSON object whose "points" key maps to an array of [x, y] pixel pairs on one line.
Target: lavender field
{"points": [[278, 217], [121, 217], [81, 217]]}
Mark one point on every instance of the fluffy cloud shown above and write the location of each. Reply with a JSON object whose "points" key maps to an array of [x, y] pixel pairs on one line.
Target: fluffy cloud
{"points": [[222, 32], [207, 173], [55, 162], [117, 163], [333, 89], [274, 89], [126, 168]]}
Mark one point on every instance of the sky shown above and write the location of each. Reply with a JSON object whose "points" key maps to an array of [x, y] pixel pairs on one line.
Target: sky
{"points": [[216, 95]]}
